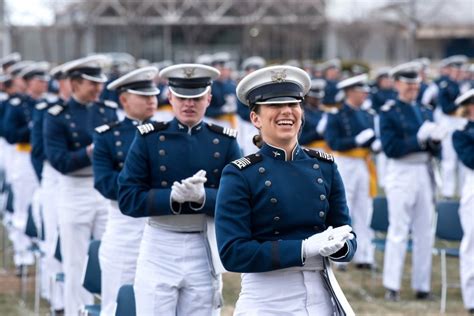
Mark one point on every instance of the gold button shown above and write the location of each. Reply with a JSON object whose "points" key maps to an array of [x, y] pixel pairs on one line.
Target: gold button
{"points": [[75, 134], [216, 170], [268, 183], [120, 164], [261, 170], [77, 144], [116, 133], [215, 141], [101, 110], [67, 116], [322, 197], [217, 154], [162, 138], [72, 125], [273, 200], [164, 183], [162, 152], [120, 153], [320, 180], [162, 168], [276, 218], [118, 143], [315, 166], [321, 214]]}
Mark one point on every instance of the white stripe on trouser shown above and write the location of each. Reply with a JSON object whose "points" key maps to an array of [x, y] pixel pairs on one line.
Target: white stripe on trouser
{"points": [[24, 184], [451, 172], [82, 216], [355, 176], [466, 213], [118, 255], [295, 293], [173, 275], [410, 207], [50, 211]]}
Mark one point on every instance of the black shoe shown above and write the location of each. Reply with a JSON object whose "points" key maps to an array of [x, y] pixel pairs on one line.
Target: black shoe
{"points": [[471, 311], [59, 312], [425, 296], [392, 295]]}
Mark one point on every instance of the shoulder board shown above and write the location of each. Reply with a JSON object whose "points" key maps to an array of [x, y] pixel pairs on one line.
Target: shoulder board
{"points": [[15, 101], [52, 98], [3, 96], [152, 127], [222, 130], [55, 109], [443, 84], [110, 104], [247, 161], [41, 105], [319, 154], [104, 128], [333, 110], [387, 106], [371, 111]]}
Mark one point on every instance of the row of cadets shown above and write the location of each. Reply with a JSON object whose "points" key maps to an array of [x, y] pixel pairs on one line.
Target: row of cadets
{"points": [[351, 137], [171, 176], [463, 142], [449, 90], [49, 182], [246, 128], [118, 252], [68, 131], [31, 79], [315, 117], [410, 140]]}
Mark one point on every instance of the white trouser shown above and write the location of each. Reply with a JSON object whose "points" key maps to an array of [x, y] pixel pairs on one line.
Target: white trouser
{"points": [[355, 176], [50, 211], [245, 137], [82, 216], [381, 163], [3, 148], [451, 174], [9, 151], [410, 206], [118, 255], [24, 184], [466, 213], [285, 293], [173, 275]]}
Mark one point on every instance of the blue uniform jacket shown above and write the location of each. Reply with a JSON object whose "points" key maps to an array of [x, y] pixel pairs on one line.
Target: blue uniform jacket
{"points": [[330, 92], [266, 206], [344, 125], [37, 146], [68, 131], [399, 123], [17, 120], [311, 120], [448, 92], [221, 91], [111, 144], [380, 96], [171, 152], [463, 143]]}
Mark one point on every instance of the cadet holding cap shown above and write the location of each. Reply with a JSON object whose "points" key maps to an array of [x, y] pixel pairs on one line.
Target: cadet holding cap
{"points": [[282, 211], [171, 176], [68, 131], [351, 136], [463, 141], [410, 140], [118, 252]]}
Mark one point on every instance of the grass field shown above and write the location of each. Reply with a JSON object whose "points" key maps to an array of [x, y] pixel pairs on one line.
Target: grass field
{"points": [[363, 289]]}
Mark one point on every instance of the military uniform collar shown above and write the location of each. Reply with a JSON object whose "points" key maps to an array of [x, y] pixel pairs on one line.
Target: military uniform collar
{"points": [[180, 127], [413, 103], [279, 153], [130, 121], [73, 102]]}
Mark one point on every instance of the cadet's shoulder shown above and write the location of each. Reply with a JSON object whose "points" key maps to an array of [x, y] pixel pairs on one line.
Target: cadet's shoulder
{"points": [[56, 109], [319, 154], [107, 104], [42, 105], [106, 127], [390, 104], [229, 132], [247, 161], [15, 101], [152, 127], [370, 111], [52, 98]]}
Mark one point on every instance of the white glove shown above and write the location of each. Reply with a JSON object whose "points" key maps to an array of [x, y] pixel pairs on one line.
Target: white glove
{"points": [[364, 136], [439, 133], [327, 242], [376, 146], [323, 122], [177, 195], [424, 131], [192, 189]]}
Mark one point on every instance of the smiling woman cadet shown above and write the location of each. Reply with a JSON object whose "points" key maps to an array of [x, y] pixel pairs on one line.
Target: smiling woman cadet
{"points": [[275, 209]]}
